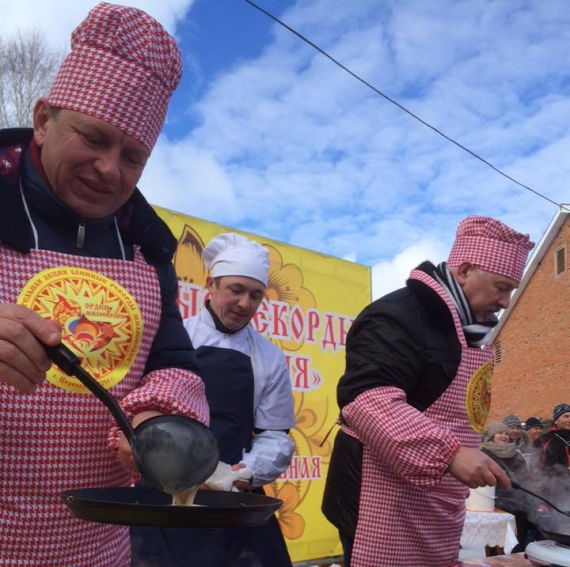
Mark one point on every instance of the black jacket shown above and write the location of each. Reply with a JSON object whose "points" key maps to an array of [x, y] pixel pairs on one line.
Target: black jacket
{"points": [[406, 339], [553, 467]]}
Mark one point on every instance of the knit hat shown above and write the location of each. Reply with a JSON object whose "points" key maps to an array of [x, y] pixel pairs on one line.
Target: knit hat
{"points": [[532, 422], [123, 68], [232, 254], [559, 410], [512, 421], [490, 245], [494, 428]]}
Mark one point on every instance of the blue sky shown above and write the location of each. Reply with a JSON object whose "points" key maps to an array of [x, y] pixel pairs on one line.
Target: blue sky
{"points": [[266, 135]]}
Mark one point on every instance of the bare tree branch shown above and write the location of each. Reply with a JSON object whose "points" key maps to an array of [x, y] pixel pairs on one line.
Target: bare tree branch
{"points": [[27, 68]]}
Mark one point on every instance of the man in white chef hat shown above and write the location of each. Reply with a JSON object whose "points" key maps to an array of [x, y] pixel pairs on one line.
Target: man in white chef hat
{"points": [[246, 264], [248, 389]]}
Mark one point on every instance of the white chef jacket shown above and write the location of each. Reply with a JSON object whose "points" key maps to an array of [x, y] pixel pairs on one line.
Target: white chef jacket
{"points": [[271, 450]]}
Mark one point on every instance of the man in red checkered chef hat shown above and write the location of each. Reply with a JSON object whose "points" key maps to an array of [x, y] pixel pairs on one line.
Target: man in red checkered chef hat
{"points": [[85, 260], [414, 398]]}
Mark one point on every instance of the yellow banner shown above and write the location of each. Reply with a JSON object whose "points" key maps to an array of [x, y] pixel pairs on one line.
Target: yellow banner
{"points": [[310, 303]]}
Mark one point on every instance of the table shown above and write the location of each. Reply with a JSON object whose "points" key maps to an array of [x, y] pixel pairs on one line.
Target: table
{"points": [[491, 529], [516, 560]]}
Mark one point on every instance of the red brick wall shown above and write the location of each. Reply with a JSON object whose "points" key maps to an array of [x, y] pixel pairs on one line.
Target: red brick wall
{"points": [[534, 373]]}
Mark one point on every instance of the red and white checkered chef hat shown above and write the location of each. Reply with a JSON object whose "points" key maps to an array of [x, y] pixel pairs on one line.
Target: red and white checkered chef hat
{"points": [[492, 246], [123, 68]]}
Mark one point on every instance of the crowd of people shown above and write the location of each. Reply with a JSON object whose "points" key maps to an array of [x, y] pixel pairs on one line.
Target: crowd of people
{"points": [[535, 454], [545, 444]]}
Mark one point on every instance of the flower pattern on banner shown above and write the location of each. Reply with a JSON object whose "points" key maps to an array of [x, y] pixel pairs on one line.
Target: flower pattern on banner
{"points": [[286, 285], [292, 524]]}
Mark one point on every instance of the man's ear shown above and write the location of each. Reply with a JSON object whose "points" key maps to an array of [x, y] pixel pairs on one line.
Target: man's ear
{"points": [[41, 117], [462, 272], [209, 283]]}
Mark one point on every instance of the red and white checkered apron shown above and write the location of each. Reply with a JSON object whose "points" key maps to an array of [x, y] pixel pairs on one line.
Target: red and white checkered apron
{"points": [[410, 524], [55, 440]]}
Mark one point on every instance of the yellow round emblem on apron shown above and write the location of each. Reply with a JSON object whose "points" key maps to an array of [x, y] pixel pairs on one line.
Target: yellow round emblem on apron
{"points": [[478, 396], [101, 322]]}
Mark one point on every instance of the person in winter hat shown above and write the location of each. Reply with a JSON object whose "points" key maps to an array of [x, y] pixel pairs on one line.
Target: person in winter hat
{"points": [[499, 446], [558, 413], [553, 463], [515, 427], [496, 427], [410, 424], [86, 260], [512, 420], [534, 428]]}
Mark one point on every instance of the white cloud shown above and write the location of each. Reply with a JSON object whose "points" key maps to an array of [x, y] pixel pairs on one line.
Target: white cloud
{"points": [[321, 147], [291, 147], [58, 18], [390, 275], [184, 178]]}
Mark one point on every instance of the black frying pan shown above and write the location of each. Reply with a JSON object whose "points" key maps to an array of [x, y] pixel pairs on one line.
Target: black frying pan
{"points": [[557, 530], [554, 526], [152, 508]]}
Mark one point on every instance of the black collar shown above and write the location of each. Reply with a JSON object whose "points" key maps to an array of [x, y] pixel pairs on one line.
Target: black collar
{"points": [[218, 324]]}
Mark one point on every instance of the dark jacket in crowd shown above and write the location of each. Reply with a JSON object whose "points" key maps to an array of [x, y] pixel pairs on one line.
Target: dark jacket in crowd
{"points": [[515, 501], [553, 465]]}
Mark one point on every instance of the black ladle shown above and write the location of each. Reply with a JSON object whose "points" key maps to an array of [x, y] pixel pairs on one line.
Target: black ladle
{"points": [[516, 485], [173, 453]]}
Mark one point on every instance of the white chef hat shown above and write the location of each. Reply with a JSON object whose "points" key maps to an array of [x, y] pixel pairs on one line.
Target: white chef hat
{"points": [[232, 254]]}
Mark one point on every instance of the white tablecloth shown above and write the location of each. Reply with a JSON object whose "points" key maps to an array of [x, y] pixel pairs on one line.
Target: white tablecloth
{"points": [[489, 528]]}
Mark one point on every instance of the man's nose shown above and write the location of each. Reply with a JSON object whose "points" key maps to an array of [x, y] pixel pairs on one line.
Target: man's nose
{"points": [[504, 301], [108, 165], [244, 302]]}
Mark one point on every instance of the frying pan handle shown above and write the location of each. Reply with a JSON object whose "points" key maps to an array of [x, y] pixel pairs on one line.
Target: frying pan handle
{"points": [[515, 484], [70, 364]]}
